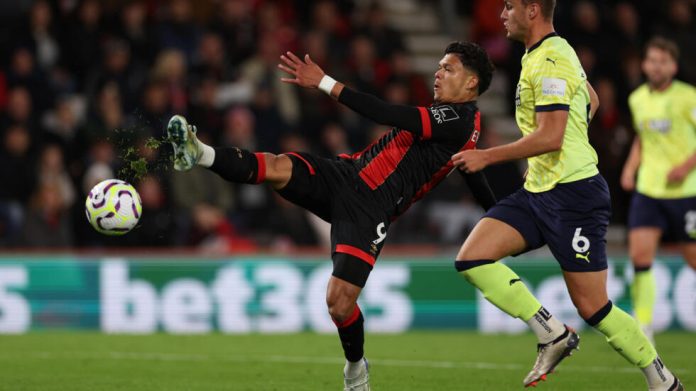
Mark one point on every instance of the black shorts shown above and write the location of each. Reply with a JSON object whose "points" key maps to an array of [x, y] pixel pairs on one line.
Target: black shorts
{"points": [[572, 218], [675, 217], [331, 189]]}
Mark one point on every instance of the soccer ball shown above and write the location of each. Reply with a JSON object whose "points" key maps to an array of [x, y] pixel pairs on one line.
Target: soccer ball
{"points": [[113, 207]]}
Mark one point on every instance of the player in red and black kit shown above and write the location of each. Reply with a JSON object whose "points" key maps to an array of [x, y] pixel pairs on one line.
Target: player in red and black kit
{"points": [[361, 194]]}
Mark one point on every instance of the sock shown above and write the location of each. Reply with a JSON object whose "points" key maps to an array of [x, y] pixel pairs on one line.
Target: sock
{"points": [[624, 335], [546, 326], [239, 165], [207, 154], [657, 375], [500, 286], [352, 369], [643, 290], [352, 336]]}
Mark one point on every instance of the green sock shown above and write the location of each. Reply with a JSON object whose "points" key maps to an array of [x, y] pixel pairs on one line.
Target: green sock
{"points": [[643, 296], [502, 287], [625, 336]]}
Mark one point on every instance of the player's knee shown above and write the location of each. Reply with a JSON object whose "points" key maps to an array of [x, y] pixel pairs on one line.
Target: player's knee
{"points": [[340, 309], [640, 256], [593, 318], [589, 308]]}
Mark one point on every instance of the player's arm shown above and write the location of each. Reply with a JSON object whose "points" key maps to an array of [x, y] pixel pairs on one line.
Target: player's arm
{"points": [[478, 184], [680, 172], [548, 137], [594, 100], [309, 75], [628, 174]]}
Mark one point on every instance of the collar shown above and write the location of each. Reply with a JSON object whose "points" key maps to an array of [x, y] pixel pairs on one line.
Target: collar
{"points": [[536, 45]]}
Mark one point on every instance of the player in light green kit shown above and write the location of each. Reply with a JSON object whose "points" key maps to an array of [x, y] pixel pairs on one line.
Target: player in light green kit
{"points": [[664, 155], [565, 204]]}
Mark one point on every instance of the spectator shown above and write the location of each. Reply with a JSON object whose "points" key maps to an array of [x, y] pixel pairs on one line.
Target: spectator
{"points": [[237, 27], [179, 31], [171, 70], [213, 234], [156, 227], [87, 29], [47, 222], [17, 177], [135, 29]]}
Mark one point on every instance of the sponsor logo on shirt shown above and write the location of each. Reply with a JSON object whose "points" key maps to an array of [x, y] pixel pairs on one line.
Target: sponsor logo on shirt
{"points": [[553, 87], [660, 125], [444, 114]]}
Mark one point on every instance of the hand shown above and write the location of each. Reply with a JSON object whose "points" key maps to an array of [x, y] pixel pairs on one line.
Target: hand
{"points": [[628, 180], [471, 160], [677, 174], [307, 73]]}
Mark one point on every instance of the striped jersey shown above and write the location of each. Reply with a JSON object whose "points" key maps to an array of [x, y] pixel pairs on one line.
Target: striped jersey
{"points": [[553, 79], [666, 124], [404, 165]]}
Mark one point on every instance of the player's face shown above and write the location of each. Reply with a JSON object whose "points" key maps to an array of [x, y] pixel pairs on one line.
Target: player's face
{"points": [[659, 67], [514, 17], [452, 80]]}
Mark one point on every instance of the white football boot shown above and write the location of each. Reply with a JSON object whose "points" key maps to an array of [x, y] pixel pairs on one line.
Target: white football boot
{"points": [[182, 135], [550, 355], [360, 382]]}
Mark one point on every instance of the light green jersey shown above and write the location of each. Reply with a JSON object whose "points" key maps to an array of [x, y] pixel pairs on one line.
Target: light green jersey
{"points": [[553, 79], [666, 123]]}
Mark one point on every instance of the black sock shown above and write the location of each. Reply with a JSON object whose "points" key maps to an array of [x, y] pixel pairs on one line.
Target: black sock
{"points": [[239, 165], [352, 336]]}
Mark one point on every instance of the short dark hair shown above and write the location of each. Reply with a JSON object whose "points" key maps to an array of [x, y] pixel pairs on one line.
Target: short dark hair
{"points": [[665, 44], [473, 57], [547, 7]]}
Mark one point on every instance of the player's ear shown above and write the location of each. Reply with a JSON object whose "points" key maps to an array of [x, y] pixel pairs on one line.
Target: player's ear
{"points": [[472, 82], [533, 10]]}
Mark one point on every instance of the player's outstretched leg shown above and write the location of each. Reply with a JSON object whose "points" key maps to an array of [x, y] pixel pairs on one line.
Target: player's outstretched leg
{"points": [[624, 335], [503, 288], [233, 164]]}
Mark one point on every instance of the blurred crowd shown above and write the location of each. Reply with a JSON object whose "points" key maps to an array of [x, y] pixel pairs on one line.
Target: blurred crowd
{"points": [[83, 84]]}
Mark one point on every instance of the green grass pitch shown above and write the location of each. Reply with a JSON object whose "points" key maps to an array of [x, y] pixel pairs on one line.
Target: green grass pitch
{"points": [[431, 360]]}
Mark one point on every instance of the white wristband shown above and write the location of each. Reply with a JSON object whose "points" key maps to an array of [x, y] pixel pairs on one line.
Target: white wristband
{"points": [[327, 84]]}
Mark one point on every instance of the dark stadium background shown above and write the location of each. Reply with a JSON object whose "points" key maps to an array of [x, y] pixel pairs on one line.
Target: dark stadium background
{"points": [[81, 82]]}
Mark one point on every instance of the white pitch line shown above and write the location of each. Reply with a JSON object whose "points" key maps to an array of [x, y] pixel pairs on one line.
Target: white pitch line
{"points": [[386, 362]]}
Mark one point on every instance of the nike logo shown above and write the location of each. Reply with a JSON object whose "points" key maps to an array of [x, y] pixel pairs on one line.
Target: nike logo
{"points": [[583, 256], [551, 61], [514, 280]]}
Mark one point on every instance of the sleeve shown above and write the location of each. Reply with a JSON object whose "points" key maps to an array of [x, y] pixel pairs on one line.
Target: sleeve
{"points": [[404, 117], [554, 83], [478, 184]]}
